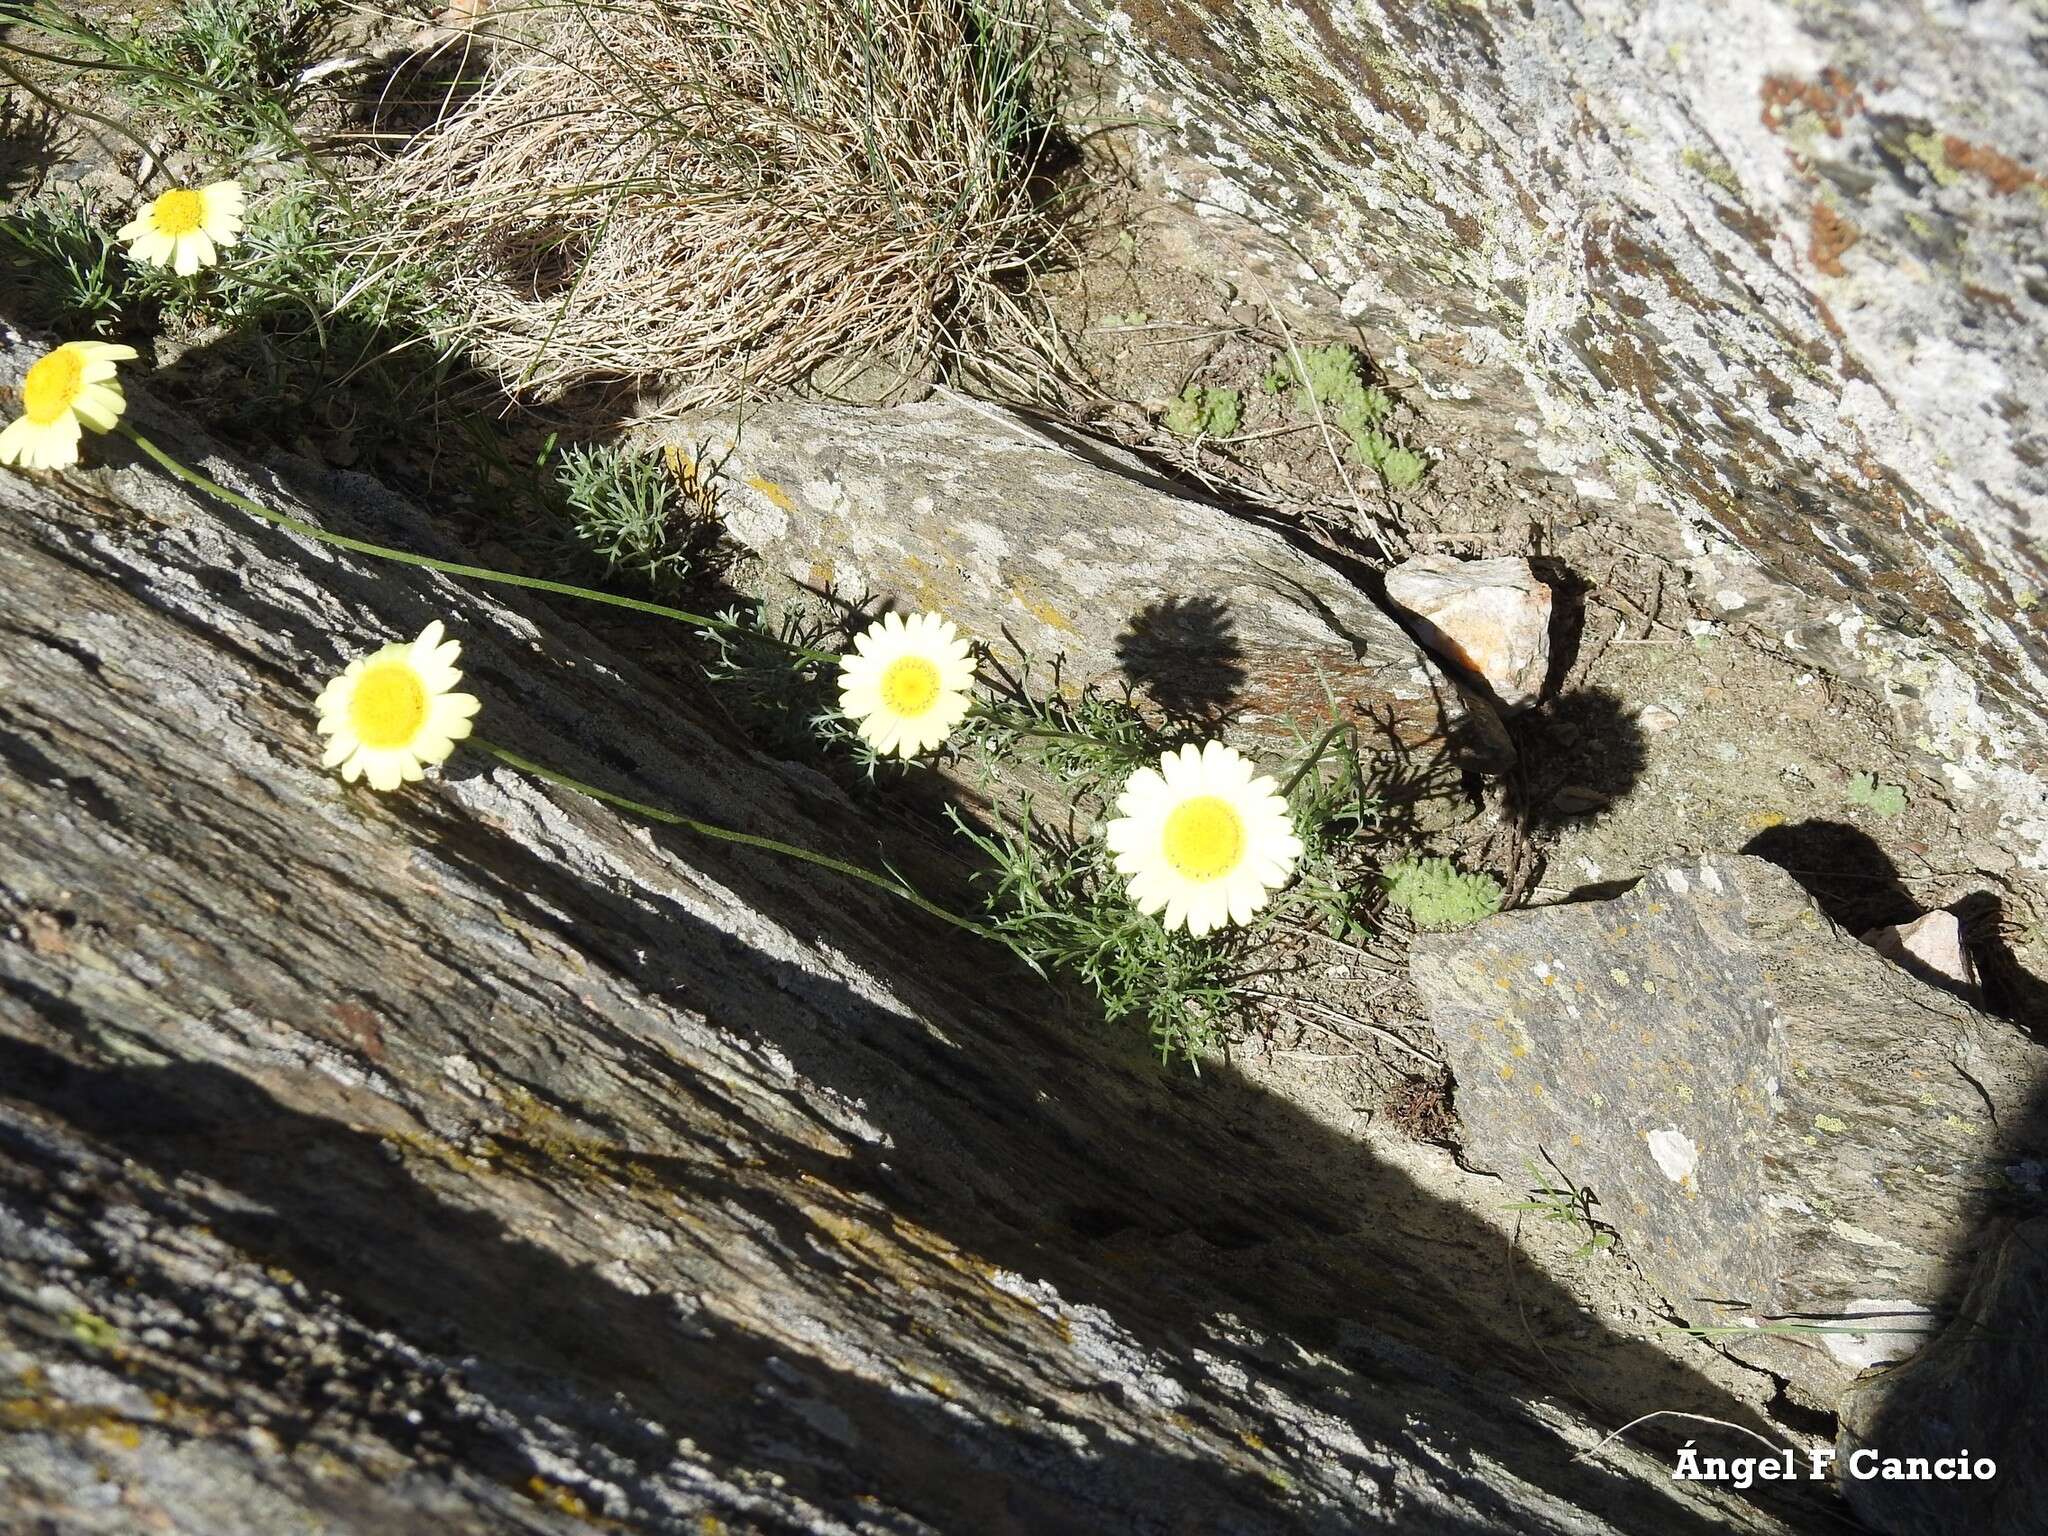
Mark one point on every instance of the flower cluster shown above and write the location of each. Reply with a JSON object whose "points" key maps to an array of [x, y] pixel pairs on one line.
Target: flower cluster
{"points": [[74, 386], [1202, 840]]}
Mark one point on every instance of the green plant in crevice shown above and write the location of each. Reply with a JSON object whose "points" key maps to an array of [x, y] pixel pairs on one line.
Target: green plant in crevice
{"points": [[1203, 411], [629, 507], [1331, 382], [778, 674], [229, 72], [1059, 904], [65, 262], [1876, 796], [1085, 738], [1402, 467], [1334, 805], [1056, 897], [1568, 1205], [1437, 895]]}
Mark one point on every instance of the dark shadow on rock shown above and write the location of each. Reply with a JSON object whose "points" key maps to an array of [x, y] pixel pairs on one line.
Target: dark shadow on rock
{"points": [[1982, 1382], [1568, 592], [1843, 869], [2010, 990], [1304, 1236], [1574, 757], [340, 1210], [1183, 652]]}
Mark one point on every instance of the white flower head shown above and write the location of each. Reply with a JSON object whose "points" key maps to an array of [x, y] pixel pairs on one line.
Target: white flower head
{"points": [[69, 388], [186, 228], [1201, 840], [392, 713], [906, 683]]}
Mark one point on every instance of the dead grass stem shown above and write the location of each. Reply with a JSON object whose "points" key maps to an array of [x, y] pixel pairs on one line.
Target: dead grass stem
{"points": [[701, 198]]}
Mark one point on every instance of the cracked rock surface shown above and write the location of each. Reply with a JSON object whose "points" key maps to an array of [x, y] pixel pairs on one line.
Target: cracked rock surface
{"points": [[1765, 280], [478, 1160], [1781, 1123]]}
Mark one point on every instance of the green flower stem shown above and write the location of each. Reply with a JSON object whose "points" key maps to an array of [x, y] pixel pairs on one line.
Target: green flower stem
{"points": [[894, 886], [192, 477], [1314, 757], [1019, 723]]}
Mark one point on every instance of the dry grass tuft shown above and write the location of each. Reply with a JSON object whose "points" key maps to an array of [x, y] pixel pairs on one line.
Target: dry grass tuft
{"points": [[700, 198]]}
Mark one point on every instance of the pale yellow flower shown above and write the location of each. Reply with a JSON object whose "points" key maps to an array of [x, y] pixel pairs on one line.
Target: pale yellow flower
{"points": [[392, 713], [186, 228], [906, 683], [67, 388], [1201, 840]]}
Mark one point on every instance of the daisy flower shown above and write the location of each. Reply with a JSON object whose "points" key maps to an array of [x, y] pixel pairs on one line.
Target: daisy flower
{"points": [[185, 228], [74, 384], [1202, 839], [391, 713], [905, 684]]}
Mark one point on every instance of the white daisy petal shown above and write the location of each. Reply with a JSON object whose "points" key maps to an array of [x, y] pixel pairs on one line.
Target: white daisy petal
{"points": [[905, 684], [1202, 836], [391, 713]]}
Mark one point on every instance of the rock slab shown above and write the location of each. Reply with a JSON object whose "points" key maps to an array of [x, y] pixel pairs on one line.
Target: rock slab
{"points": [[1021, 531], [477, 1160], [1765, 272], [1975, 1389], [1780, 1123], [1489, 617], [1931, 947]]}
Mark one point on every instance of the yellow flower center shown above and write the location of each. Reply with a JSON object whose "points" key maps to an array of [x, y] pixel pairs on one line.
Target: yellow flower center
{"points": [[178, 212], [1203, 838], [53, 386], [389, 705], [910, 686]]}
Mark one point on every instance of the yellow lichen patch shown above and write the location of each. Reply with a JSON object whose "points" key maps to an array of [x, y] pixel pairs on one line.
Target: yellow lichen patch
{"points": [[932, 1381], [1040, 609], [38, 1415], [93, 1331], [772, 491]]}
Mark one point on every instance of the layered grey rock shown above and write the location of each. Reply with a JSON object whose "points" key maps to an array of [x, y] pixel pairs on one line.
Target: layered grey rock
{"points": [[1783, 1125], [475, 1160], [1023, 532], [1765, 278]]}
